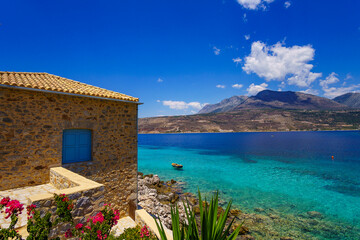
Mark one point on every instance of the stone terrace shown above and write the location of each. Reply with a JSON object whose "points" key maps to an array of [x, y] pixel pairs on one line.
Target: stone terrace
{"points": [[23, 194]]}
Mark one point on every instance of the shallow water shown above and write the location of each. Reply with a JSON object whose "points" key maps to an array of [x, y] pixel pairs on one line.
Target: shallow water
{"points": [[292, 172]]}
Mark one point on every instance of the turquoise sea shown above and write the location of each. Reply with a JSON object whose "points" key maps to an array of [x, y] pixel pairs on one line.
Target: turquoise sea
{"points": [[290, 172]]}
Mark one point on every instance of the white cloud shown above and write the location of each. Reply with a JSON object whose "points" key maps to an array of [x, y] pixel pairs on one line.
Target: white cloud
{"points": [[238, 86], [245, 18], [216, 50], [277, 62], [348, 76], [287, 4], [254, 4], [332, 92], [158, 101], [181, 105], [237, 60], [254, 89], [311, 91], [160, 80], [247, 37], [220, 86], [332, 78]]}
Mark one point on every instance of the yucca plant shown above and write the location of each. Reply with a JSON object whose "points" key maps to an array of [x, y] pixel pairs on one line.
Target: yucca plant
{"points": [[212, 227]]}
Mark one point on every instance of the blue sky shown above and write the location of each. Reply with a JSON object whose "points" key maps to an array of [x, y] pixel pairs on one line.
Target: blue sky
{"points": [[177, 56]]}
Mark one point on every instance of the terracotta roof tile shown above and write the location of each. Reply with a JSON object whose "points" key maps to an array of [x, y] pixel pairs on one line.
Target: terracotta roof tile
{"points": [[46, 81]]}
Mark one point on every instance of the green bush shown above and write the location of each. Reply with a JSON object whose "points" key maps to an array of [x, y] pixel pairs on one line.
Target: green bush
{"points": [[212, 226], [135, 233]]}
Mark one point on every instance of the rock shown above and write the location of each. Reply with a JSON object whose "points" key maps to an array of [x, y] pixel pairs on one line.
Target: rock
{"points": [[244, 230], [247, 237], [163, 197], [156, 180], [314, 214], [235, 212], [196, 210], [259, 210]]}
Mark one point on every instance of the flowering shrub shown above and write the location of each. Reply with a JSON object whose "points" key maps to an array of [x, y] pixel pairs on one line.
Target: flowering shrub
{"points": [[136, 233], [39, 225], [97, 227], [12, 209]]}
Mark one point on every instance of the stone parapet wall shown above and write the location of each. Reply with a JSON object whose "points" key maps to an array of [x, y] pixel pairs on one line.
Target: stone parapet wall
{"points": [[60, 181], [87, 197], [31, 131], [144, 218]]}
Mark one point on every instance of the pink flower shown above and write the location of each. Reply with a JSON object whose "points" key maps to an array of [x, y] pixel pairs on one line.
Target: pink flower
{"points": [[98, 218], [88, 227], [4, 201], [68, 233], [79, 225], [13, 207]]}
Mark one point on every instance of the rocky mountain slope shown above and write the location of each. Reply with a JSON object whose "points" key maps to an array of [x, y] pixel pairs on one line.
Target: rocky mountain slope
{"points": [[274, 100], [267, 111], [351, 100], [254, 120]]}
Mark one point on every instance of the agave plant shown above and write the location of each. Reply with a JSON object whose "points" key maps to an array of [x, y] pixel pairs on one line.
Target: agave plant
{"points": [[212, 226]]}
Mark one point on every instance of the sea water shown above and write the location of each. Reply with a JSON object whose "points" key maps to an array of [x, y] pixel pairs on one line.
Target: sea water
{"points": [[292, 172]]}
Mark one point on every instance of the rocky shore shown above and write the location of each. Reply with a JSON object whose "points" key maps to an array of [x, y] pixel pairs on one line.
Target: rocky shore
{"points": [[157, 196]]}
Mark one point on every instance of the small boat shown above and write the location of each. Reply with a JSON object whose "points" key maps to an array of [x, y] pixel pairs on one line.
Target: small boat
{"points": [[177, 166]]}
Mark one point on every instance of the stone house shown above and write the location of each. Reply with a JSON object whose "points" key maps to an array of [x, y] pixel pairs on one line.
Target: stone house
{"points": [[49, 121]]}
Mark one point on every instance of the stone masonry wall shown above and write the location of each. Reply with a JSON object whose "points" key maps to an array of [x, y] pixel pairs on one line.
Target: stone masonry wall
{"points": [[59, 181], [86, 203], [31, 130]]}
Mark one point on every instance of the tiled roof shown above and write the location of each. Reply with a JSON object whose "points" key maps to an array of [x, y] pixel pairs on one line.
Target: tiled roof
{"points": [[50, 82]]}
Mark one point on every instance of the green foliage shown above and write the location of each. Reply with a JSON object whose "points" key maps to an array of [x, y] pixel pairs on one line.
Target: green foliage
{"points": [[12, 209], [98, 226], [133, 234], [212, 226], [39, 227]]}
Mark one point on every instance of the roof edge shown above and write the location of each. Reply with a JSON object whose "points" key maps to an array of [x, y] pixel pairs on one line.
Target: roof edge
{"points": [[69, 94]]}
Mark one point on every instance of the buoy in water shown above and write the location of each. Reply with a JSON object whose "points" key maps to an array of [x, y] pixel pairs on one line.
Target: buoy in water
{"points": [[332, 157]]}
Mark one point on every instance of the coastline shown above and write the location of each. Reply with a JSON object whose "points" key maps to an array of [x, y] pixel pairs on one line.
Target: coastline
{"points": [[157, 196], [341, 130]]}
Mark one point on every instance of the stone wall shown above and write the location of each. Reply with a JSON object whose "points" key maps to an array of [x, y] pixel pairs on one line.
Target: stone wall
{"points": [[60, 181], [31, 129]]}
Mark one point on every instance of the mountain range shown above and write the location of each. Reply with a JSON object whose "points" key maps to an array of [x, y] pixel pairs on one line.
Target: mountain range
{"points": [[266, 111], [268, 99]]}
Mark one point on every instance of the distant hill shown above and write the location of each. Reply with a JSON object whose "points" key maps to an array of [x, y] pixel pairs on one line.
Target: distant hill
{"points": [[267, 111], [254, 120], [351, 100], [225, 105], [268, 99]]}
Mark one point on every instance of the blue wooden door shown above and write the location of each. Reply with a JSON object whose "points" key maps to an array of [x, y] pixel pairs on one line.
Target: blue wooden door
{"points": [[76, 145]]}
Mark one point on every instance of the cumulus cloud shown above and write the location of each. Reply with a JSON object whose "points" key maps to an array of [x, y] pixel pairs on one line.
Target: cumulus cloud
{"points": [[181, 105], [332, 92], [311, 91], [287, 4], [254, 4], [216, 50], [158, 101], [238, 86], [220, 86], [277, 62], [255, 89], [237, 60], [160, 80], [247, 37], [332, 78]]}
